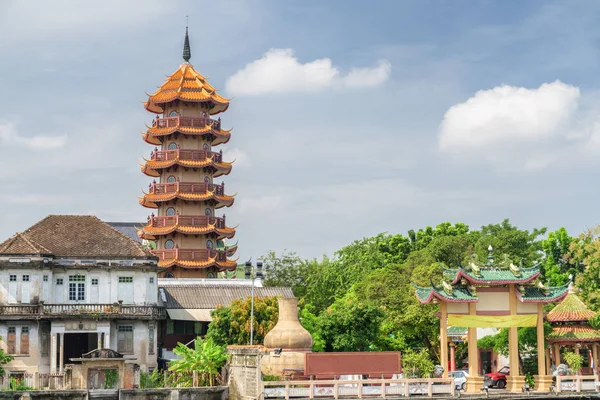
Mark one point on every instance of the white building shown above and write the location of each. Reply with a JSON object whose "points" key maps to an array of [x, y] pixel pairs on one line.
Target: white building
{"points": [[71, 284]]}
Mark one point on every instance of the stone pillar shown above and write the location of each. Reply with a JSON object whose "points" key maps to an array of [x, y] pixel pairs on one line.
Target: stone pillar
{"points": [[100, 339], [556, 354], [444, 337], [474, 381], [452, 356], [543, 381], [515, 381], [53, 351], [61, 353]]}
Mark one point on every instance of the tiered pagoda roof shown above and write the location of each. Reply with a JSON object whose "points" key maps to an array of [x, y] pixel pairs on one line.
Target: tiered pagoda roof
{"points": [[188, 225], [186, 84], [460, 285], [187, 191], [203, 127], [569, 321], [165, 159]]}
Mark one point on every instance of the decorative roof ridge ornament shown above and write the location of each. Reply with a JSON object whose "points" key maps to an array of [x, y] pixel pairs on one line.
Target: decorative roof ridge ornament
{"points": [[515, 270], [490, 258], [447, 287], [572, 289], [543, 288], [472, 289], [187, 53], [521, 289], [475, 269]]}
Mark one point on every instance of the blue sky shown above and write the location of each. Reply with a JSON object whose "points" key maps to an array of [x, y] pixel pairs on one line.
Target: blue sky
{"points": [[350, 118]]}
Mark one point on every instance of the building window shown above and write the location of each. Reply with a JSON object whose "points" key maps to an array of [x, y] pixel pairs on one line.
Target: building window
{"points": [[59, 281], [45, 278], [172, 146], [208, 212], [205, 146], [170, 327], [206, 179], [169, 275], [125, 339], [94, 281], [11, 340], [126, 279], [211, 275], [169, 244], [25, 278], [150, 338], [76, 287], [151, 279], [170, 212], [209, 244], [24, 340], [13, 278], [173, 114], [171, 179]]}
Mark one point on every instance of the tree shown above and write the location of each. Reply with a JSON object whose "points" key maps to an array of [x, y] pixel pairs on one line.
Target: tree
{"points": [[4, 359], [586, 250], [350, 325], [287, 270], [231, 325], [206, 358], [417, 364]]}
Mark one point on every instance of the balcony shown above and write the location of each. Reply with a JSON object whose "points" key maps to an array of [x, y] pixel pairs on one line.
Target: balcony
{"points": [[186, 155], [193, 255], [188, 122], [115, 310], [184, 220], [186, 187]]}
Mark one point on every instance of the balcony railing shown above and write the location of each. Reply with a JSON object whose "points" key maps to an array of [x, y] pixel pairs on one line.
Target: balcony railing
{"points": [[190, 254], [188, 122], [188, 155], [115, 309], [185, 220], [186, 187]]}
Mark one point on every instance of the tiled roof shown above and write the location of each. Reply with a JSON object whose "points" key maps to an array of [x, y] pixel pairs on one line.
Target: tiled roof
{"points": [[20, 245], [220, 168], [76, 236], [460, 294], [150, 232], [188, 85], [457, 331], [570, 309], [496, 275], [219, 137], [550, 294], [574, 333], [150, 199], [209, 297]]}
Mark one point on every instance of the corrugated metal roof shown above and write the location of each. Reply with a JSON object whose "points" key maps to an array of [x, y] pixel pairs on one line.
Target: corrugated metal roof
{"points": [[128, 228], [200, 296]]}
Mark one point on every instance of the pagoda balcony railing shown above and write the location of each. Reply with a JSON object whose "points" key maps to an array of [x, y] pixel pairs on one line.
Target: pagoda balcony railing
{"points": [[188, 155], [186, 187], [94, 310], [186, 220], [190, 254], [188, 122]]}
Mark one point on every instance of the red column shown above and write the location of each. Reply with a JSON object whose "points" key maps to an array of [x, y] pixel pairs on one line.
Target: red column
{"points": [[452, 356]]}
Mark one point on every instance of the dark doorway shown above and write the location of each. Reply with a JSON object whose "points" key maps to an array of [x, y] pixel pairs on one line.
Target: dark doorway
{"points": [[486, 362], [77, 344]]}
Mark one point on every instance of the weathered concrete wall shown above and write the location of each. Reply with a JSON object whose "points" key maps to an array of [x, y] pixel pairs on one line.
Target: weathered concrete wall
{"points": [[46, 395], [203, 393], [244, 372]]}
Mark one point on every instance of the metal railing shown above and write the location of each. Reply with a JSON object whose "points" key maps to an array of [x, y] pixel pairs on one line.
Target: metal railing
{"points": [[186, 220], [188, 122], [186, 187], [188, 155], [190, 254]]}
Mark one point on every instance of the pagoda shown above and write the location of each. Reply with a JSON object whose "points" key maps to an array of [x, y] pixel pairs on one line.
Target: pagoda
{"points": [[571, 329], [184, 164], [492, 295]]}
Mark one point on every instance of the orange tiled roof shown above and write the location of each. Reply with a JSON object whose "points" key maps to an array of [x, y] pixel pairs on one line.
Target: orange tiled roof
{"points": [[186, 84], [574, 333], [231, 250], [221, 168], [570, 309], [221, 137], [18, 244], [150, 232], [211, 262], [150, 199]]}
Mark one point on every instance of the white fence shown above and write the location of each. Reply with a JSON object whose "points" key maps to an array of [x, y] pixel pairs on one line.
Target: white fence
{"points": [[34, 381], [381, 388], [577, 383]]}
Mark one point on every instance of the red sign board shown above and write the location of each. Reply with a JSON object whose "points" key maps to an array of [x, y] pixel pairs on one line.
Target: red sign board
{"points": [[358, 363]]}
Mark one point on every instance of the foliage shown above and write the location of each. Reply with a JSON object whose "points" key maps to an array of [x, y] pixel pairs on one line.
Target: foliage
{"points": [[231, 325], [586, 250], [286, 270], [574, 361], [417, 364], [559, 262], [530, 381], [110, 378], [349, 325], [18, 385], [309, 321], [153, 380], [206, 358], [4, 359], [271, 378], [527, 340]]}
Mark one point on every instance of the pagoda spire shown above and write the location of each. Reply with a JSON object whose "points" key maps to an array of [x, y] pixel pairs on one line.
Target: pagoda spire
{"points": [[187, 53]]}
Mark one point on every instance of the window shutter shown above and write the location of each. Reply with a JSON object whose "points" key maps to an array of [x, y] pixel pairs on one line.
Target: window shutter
{"points": [[25, 340], [11, 341]]}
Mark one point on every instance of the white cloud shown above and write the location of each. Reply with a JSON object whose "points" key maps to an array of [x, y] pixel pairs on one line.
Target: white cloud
{"points": [[280, 71], [517, 128], [10, 135]]}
